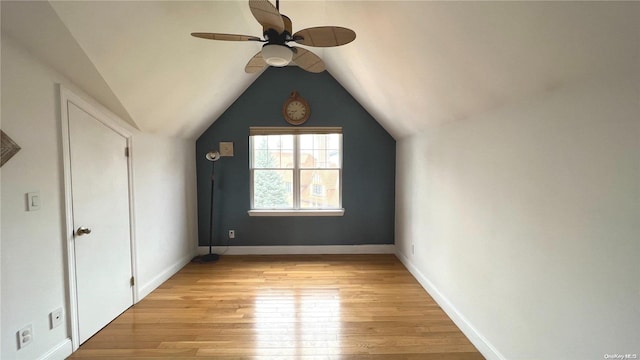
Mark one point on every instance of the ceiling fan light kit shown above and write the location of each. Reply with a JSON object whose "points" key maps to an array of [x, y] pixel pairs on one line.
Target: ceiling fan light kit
{"points": [[277, 32], [277, 55]]}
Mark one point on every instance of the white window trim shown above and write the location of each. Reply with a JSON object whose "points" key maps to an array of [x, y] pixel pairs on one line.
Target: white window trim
{"points": [[332, 212], [283, 130], [294, 131]]}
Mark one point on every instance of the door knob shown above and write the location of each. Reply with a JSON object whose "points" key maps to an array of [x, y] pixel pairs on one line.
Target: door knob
{"points": [[83, 230]]}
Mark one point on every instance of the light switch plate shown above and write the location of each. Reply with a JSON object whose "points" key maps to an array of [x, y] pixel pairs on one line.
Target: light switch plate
{"points": [[33, 201], [226, 148]]}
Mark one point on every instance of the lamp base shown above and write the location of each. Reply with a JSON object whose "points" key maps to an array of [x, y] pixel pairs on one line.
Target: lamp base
{"points": [[206, 258]]}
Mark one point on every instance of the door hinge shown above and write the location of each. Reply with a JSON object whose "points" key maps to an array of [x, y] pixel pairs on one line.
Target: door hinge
{"points": [[133, 281], [126, 152]]}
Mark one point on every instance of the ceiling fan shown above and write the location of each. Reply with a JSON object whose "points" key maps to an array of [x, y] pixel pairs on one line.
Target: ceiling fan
{"points": [[276, 29]]}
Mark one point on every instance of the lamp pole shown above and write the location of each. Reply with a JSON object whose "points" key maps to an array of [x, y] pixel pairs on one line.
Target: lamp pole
{"points": [[212, 156]]}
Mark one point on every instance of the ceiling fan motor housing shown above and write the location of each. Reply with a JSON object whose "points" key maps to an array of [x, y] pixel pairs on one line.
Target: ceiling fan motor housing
{"points": [[272, 35], [275, 52]]}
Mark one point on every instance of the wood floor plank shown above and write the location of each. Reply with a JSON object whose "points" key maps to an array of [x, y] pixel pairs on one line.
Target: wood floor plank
{"points": [[362, 307]]}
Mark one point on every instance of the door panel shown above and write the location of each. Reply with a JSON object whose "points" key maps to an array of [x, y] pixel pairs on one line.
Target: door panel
{"points": [[100, 191]]}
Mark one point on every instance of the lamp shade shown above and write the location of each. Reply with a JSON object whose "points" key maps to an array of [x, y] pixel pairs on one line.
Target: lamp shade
{"points": [[213, 155], [276, 55]]}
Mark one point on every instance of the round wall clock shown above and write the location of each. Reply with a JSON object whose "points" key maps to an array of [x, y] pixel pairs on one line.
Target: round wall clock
{"points": [[296, 110]]}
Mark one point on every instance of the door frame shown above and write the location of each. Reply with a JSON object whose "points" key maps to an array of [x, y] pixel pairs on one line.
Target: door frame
{"points": [[114, 123]]}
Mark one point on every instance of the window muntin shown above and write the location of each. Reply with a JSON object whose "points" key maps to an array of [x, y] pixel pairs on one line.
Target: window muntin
{"points": [[296, 171]]}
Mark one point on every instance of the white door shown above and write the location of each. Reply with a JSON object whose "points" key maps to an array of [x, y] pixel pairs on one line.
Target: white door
{"points": [[100, 191]]}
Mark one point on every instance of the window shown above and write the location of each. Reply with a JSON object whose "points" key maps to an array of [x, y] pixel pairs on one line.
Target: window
{"points": [[295, 171]]}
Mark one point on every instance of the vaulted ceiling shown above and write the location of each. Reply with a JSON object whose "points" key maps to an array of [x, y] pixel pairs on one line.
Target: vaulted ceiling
{"points": [[412, 65]]}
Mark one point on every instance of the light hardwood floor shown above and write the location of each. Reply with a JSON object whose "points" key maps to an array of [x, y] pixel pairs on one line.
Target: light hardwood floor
{"points": [[285, 307]]}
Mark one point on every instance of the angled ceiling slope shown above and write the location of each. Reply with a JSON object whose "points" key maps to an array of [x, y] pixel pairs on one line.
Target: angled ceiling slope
{"points": [[37, 28], [421, 63], [169, 81], [414, 64]]}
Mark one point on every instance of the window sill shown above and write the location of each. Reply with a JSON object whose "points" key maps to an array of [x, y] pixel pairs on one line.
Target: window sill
{"points": [[333, 212]]}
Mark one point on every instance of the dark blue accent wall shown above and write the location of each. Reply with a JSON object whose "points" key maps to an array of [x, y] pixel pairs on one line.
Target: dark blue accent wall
{"points": [[368, 177]]}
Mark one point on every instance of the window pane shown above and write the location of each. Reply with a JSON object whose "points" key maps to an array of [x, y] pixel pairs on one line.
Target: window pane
{"points": [[319, 189], [320, 151], [272, 151], [272, 189]]}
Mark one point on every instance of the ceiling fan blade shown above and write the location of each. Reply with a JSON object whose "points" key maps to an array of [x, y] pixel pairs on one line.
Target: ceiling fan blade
{"points": [[307, 60], [225, 37], [324, 36], [267, 15], [256, 63]]}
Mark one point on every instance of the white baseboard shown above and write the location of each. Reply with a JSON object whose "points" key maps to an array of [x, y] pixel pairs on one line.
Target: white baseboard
{"points": [[151, 285], [479, 341], [300, 249], [59, 352]]}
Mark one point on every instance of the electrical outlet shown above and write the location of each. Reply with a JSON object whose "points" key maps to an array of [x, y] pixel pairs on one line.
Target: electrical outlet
{"points": [[25, 336], [55, 318], [412, 249], [232, 234]]}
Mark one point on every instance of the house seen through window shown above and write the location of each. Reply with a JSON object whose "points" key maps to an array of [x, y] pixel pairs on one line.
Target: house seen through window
{"points": [[295, 170]]}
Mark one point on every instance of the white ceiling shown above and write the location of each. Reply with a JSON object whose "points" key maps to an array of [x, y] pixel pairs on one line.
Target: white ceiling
{"points": [[412, 65]]}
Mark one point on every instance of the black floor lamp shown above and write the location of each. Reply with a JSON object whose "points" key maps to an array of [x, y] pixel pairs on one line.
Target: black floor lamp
{"points": [[212, 156]]}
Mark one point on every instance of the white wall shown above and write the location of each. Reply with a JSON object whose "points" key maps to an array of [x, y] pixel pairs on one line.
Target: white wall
{"points": [[33, 250], [165, 201], [526, 221], [33, 267]]}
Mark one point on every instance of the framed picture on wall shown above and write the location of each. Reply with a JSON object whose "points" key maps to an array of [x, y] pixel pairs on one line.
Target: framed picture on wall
{"points": [[9, 148]]}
